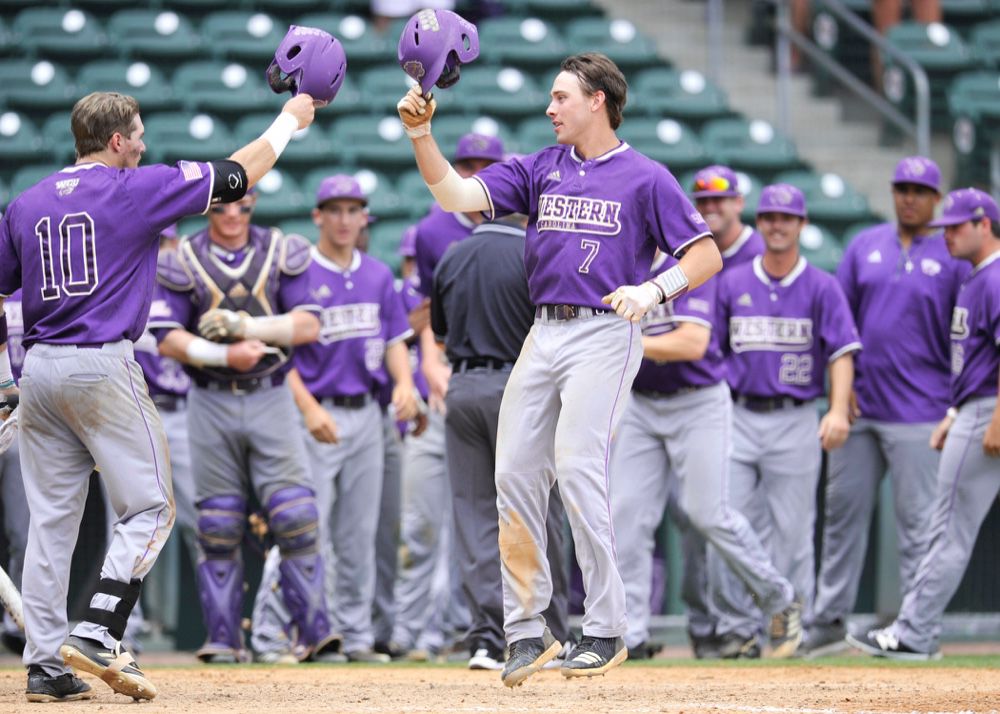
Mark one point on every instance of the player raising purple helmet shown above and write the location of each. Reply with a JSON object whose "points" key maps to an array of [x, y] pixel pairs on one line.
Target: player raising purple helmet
{"points": [[433, 46]]}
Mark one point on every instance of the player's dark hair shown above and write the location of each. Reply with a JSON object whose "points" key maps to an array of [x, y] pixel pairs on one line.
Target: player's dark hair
{"points": [[99, 116], [597, 72]]}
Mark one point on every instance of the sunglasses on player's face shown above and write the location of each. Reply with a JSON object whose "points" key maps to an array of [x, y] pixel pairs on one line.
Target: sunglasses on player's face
{"points": [[244, 209], [713, 183]]}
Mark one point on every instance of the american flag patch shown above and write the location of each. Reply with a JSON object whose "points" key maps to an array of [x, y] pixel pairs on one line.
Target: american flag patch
{"points": [[191, 170]]}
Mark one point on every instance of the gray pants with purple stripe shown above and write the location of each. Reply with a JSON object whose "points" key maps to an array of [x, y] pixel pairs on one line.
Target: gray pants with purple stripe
{"points": [[967, 485], [561, 406], [81, 407]]}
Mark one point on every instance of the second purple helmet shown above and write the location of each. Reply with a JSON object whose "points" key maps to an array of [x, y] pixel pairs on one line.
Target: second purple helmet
{"points": [[434, 44], [310, 61]]}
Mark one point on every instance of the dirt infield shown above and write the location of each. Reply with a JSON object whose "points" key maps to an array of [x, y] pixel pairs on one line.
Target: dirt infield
{"points": [[675, 688]]}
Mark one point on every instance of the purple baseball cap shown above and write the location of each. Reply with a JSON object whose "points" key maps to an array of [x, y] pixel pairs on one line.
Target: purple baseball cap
{"points": [[408, 242], [919, 170], [479, 146], [715, 180], [340, 186], [782, 198], [966, 204]]}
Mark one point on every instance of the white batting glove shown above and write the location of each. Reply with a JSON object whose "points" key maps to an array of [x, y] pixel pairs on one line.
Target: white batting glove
{"points": [[633, 301], [220, 325], [415, 111]]}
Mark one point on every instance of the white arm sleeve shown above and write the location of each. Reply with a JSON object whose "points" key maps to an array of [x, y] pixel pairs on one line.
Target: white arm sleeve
{"points": [[460, 195]]}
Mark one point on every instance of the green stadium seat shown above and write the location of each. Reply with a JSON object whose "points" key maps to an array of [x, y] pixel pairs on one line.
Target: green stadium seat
{"points": [[6, 42], [965, 15], [27, 176], [501, 92], [197, 8], [750, 186], [535, 134], [4, 196], [852, 230], [279, 196], [841, 42], [521, 41], [555, 10], [20, 141], [365, 47], [618, 39], [35, 86], [754, 146], [829, 199], [243, 35], [414, 194], [218, 87], [154, 34], [449, 128], [373, 142], [300, 226], [384, 200], [143, 81], [177, 135], [985, 41], [59, 33], [665, 140], [685, 95], [308, 147], [382, 88], [58, 138], [820, 247], [974, 106], [383, 242], [282, 8]]}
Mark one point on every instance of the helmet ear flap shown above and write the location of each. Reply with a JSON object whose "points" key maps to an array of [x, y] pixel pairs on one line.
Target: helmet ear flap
{"points": [[450, 73]]}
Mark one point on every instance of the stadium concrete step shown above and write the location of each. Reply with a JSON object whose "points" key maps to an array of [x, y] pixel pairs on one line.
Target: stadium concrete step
{"points": [[821, 134]]}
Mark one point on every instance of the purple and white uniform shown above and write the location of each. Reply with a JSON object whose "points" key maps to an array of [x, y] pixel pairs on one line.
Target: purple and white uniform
{"points": [[782, 333], [902, 300], [968, 479], [87, 277], [435, 232], [748, 246], [594, 225], [361, 316]]}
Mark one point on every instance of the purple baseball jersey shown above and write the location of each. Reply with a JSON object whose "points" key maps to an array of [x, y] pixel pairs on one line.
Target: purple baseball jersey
{"points": [[82, 243], [697, 306], [748, 246], [15, 333], [594, 223], [360, 315], [902, 302], [975, 334], [435, 232], [782, 333]]}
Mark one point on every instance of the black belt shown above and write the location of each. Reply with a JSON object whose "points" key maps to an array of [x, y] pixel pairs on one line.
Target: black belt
{"points": [[169, 402], [349, 401], [658, 394], [467, 363], [762, 405], [566, 312], [240, 386]]}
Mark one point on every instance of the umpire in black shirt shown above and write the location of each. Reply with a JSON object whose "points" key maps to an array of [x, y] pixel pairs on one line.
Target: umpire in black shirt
{"points": [[481, 311]]}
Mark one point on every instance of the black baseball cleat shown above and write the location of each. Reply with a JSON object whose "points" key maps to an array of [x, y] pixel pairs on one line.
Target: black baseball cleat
{"points": [[885, 643], [63, 688], [116, 667], [594, 656], [786, 631], [527, 656]]}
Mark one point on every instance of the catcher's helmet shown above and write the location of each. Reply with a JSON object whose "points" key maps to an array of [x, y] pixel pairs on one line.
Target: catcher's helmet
{"points": [[308, 60], [434, 44]]}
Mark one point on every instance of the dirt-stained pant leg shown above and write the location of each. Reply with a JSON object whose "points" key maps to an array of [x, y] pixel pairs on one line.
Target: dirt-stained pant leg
{"points": [[968, 483], [563, 402], [80, 407]]}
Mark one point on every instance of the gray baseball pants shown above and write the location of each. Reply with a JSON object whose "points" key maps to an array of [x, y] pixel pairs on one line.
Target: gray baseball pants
{"points": [[387, 532], [81, 407], [852, 484], [967, 485]]}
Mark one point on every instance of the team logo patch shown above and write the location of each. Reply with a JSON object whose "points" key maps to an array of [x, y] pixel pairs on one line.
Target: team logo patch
{"points": [[428, 20], [782, 195], [745, 300], [344, 321], [323, 291], [414, 68], [929, 266], [770, 334], [914, 166], [578, 214], [875, 257], [66, 186], [697, 219], [237, 292], [554, 176]]}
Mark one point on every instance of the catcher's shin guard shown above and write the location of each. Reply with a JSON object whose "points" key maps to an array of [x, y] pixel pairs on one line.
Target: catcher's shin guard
{"points": [[294, 522], [221, 522]]}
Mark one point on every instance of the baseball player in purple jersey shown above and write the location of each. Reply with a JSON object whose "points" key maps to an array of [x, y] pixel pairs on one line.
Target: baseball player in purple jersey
{"points": [[15, 506], [968, 477], [232, 300], [785, 321], [84, 401], [901, 285], [362, 342], [597, 211]]}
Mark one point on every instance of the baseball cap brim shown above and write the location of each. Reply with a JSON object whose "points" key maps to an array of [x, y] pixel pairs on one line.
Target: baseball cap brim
{"points": [[716, 194], [945, 221], [918, 182]]}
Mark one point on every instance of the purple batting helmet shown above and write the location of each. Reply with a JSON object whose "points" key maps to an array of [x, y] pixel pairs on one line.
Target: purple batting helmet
{"points": [[308, 60], [434, 44]]}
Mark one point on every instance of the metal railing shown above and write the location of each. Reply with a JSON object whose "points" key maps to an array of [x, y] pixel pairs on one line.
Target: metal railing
{"points": [[919, 128]]}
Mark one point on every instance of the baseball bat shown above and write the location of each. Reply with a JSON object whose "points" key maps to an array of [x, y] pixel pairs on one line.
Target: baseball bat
{"points": [[11, 598]]}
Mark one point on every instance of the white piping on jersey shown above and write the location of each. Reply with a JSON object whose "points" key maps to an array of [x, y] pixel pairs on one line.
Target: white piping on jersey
{"points": [[330, 265], [683, 246], [991, 259], [758, 269], [81, 167], [741, 240], [489, 198], [464, 220], [237, 271], [658, 260], [603, 157], [498, 228], [849, 347]]}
